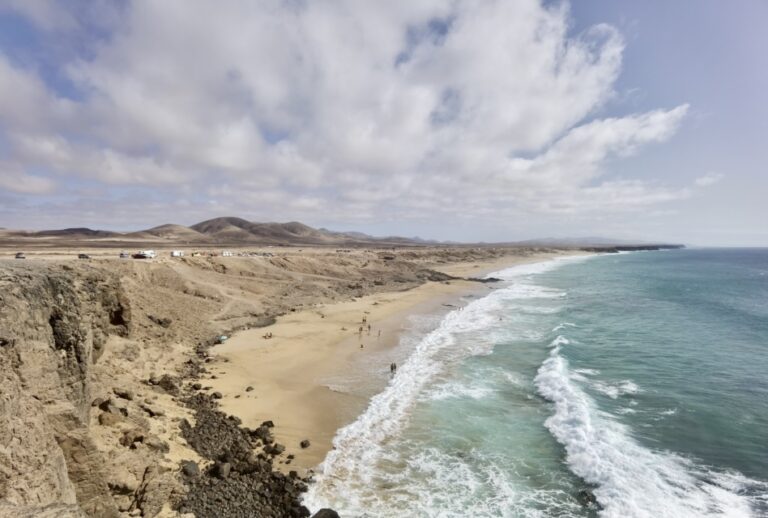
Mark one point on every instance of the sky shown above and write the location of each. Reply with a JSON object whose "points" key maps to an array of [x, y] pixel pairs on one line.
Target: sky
{"points": [[482, 120]]}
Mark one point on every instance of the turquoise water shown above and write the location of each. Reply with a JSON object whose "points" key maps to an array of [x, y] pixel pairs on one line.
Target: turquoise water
{"points": [[640, 377]]}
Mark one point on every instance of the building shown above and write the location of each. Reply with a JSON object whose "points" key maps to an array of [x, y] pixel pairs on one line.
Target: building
{"points": [[177, 253]]}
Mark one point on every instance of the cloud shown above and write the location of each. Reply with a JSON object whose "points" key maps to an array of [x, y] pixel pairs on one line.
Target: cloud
{"points": [[349, 109], [14, 179], [709, 179]]}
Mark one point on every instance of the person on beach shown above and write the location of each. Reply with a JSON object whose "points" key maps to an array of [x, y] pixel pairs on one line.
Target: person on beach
{"points": [[360, 331], [369, 328], [361, 346], [379, 335]]}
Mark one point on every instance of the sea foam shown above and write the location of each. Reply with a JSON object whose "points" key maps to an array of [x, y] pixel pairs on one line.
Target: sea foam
{"points": [[630, 479], [351, 478]]}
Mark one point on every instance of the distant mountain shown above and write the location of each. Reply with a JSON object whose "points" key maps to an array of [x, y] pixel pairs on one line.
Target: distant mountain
{"points": [[170, 232], [80, 232], [233, 231]]}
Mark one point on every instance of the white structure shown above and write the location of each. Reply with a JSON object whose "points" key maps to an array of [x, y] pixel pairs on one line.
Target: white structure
{"points": [[177, 253], [227, 253], [148, 254]]}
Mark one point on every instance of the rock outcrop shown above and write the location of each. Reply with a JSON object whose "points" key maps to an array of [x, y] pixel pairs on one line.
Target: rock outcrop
{"points": [[53, 327]]}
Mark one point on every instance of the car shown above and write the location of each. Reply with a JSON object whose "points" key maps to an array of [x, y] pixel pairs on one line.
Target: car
{"points": [[83, 256], [21, 255]]}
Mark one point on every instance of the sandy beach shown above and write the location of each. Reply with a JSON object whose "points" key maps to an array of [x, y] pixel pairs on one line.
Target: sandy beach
{"points": [[289, 374]]}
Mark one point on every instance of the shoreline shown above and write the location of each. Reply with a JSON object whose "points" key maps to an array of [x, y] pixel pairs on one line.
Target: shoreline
{"points": [[290, 375]]}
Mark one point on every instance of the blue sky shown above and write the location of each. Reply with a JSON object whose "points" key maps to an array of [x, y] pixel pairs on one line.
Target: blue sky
{"points": [[492, 120]]}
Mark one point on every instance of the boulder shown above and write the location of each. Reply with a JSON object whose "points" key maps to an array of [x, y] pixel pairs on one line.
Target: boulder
{"points": [[168, 383], [222, 469], [216, 395], [131, 437], [152, 410], [304, 444], [326, 513], [190, 468], [110, 419]]}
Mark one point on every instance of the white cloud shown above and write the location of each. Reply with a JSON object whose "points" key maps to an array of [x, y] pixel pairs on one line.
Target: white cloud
{"points": [[708, 179], [348, 108], [14, 179]]}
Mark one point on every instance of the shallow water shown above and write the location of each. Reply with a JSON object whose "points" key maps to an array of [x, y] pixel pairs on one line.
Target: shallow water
{"points": [[638, 376]]}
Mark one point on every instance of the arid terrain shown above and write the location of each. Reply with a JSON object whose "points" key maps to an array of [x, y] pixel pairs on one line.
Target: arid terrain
{"points": [[107, 389]]}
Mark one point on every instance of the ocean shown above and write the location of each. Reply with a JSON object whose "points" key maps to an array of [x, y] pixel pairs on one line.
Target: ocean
{"points": [[640, 378]]}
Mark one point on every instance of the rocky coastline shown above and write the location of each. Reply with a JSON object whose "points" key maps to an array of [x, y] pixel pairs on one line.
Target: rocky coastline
{"points": [[105, 409]]}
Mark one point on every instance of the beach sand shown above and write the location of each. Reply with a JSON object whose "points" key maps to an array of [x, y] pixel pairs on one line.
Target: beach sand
{"points": [[290, 372]]}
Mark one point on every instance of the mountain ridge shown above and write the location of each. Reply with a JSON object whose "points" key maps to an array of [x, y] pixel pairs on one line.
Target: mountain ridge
{"points": [[236, 231]]}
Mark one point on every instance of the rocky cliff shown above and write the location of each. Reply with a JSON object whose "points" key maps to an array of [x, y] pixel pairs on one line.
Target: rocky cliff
{"points": [[53, 326]]}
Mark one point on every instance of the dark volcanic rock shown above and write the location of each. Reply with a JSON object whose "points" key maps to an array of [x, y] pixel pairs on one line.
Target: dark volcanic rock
{"points": [[587, 499], [169, 383], [326, 513], [190, 468], [304, 443], [241, 482]]}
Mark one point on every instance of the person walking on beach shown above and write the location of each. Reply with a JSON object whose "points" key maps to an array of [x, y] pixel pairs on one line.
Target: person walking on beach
{"points": [[379, 335], [369, 329]]}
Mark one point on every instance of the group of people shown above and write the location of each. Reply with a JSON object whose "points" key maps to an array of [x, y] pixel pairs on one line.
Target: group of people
{"points": [[393, 365]]}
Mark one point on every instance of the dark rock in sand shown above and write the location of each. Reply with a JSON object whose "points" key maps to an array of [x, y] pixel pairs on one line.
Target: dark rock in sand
{"points": [[248, 487], [190, 468], [216, 395], [484, 280], [248, 389], [274, 449], [221, 469], [268, 424], [169, 383], [196, 386], [326, 513], [304, 443]]}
